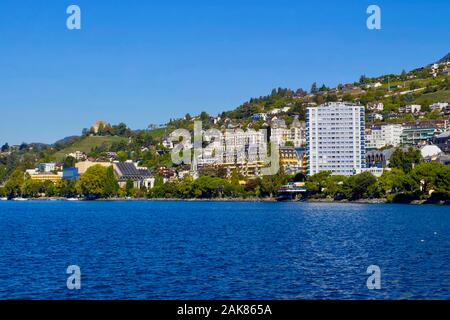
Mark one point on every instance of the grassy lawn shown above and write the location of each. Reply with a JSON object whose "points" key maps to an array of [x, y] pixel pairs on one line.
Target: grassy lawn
{"points": [[86, 145]]}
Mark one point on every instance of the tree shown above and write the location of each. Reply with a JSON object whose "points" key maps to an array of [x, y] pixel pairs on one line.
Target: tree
{"points": [[405, 160], [92, 182], [67, 189], [129, 186], [317, 182], [363, 79], [314, 88], [391, 181], [111, 187], [69, 162], [31, 188], [358, 186], [234, 179], [5, 147], [431, 177], [13, 187], [204, 117], [122, 156]]}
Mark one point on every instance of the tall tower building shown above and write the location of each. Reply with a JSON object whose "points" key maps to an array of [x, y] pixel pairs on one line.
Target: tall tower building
{"points": [[335, 138]]}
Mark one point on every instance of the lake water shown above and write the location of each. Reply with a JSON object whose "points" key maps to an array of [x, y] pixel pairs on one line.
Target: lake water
{"points": [[228, 250]]}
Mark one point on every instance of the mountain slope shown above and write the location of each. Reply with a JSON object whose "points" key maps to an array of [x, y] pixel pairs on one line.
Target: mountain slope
{"points": [[445, 59]]}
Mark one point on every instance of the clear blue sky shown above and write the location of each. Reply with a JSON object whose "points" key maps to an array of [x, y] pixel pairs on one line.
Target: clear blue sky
{"points": [[144, 61]]}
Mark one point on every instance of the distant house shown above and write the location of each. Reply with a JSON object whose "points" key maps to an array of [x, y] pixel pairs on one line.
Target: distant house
{"points": [[167, 143], [375, 106], [140, 177], [352, 90], [411, 108], [395, 87], [439, 106], [32, 172], [78, 155], [47, 167], [259, 117], [442, 141], [372, 117], [275, 111], [373, 85]]}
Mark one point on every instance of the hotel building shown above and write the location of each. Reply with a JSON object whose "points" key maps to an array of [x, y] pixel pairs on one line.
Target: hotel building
{"points": [[335, 138]]}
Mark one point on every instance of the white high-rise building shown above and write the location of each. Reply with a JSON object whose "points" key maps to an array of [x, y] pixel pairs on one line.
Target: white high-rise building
{"points": [[335, 138]]}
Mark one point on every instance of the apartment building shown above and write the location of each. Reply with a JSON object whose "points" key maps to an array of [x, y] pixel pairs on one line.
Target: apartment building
{"points": [[335, 138], [378, 137]]}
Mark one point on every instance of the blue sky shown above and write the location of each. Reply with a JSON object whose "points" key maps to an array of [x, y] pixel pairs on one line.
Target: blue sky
{"points": [[144, 61]]}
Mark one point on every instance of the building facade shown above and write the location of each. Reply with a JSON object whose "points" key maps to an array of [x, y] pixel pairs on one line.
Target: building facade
{"points": [[416, 136], [335, 138], [382, 136]]}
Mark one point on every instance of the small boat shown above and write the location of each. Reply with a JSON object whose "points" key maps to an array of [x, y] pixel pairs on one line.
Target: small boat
{"points": [[72, 199], [20, 199], [3, 199]]}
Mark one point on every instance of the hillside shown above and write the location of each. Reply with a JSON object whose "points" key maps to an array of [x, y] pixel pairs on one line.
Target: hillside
{"points": [[87, 144], [445, 59], [438, 96]]}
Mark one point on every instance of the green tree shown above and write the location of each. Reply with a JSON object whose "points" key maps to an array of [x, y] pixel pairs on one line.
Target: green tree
{"points": [[431, 177], [405, 160], [31, 188], [391, 181], [13, 187], [316, 183], [234, 179], [122, 156], [358, 186], [111, 187], [92, 182], [129, 186], [5, 147], [67, 189], [69, 162]]}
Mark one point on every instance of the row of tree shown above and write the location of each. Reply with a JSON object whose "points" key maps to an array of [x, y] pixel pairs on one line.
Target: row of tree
{"points": [[426, 181], [407, 180]]}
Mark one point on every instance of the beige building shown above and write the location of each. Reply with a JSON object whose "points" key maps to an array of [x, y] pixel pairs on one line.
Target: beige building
{"points": [[85, 165], [46, 177]]}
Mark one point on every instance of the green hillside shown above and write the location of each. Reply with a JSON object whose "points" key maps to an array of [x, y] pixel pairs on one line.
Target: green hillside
{"points": [[438, 96], [87, 144]]}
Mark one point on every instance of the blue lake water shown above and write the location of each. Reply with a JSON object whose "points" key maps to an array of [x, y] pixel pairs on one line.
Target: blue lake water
{"points": [[214, 250]]}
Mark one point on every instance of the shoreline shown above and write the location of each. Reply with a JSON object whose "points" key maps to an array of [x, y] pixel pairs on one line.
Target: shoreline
{"points": [[260, 200]]}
